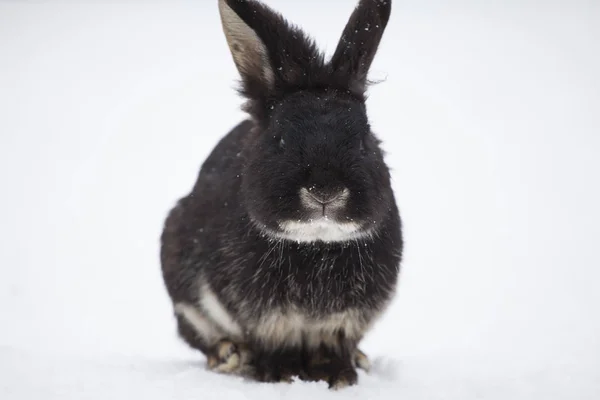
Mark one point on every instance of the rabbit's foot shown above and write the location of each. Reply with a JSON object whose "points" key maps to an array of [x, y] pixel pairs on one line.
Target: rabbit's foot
{"points": [[328, 366], [278, 366], [337, 375], [227, 357], [318, 367], [343, 378], [361, 361]]}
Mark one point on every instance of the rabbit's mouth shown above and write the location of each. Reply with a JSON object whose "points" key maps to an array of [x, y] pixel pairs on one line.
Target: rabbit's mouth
{"points": [[323, 219]]}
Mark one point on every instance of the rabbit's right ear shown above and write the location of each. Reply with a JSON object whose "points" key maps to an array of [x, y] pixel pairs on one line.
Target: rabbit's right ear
{"points": [[358, 44], [249, 52]]}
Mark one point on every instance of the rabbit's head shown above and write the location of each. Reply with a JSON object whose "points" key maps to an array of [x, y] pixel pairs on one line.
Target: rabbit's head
{"points": [[313, 169]]}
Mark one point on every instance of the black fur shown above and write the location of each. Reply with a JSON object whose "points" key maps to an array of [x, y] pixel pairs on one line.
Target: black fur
{"points": [[309, 130]]}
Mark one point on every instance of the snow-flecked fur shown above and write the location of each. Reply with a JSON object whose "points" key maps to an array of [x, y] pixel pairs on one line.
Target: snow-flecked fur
{"points": [[289, 245]]}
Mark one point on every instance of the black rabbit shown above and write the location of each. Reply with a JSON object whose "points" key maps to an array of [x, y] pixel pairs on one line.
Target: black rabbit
{"points": [[288, 247]]}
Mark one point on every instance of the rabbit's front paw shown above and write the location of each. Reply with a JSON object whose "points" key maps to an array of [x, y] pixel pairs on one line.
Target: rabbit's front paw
{"points": [[330, 367], [227, 357], [278, 366], [343, 378]]}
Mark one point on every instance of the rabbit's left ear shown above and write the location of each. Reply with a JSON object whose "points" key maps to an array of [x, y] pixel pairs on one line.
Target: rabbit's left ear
{"points": [[358, 44]]}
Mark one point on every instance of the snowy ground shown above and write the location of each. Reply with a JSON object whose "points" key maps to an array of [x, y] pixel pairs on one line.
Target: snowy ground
{"points": [[491, 119]]}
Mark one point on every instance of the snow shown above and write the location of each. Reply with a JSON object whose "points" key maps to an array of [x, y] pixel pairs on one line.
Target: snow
{"points": [[490, 117]]}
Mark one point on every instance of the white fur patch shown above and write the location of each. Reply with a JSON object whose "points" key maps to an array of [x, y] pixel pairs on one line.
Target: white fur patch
{"points": [[288, 328], [218, 313], [292, 328], [279, 328], [203, 327], [322, 229], [324, 330]]}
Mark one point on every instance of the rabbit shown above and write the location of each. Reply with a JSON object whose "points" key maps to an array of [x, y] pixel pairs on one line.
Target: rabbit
{"points": [[288, 248]]}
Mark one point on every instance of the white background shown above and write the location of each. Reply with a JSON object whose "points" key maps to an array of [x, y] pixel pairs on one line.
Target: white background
{"points": [[489, 113]]}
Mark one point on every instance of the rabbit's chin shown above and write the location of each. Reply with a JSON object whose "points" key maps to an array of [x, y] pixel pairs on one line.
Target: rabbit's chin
{"points": [[318, 230]]}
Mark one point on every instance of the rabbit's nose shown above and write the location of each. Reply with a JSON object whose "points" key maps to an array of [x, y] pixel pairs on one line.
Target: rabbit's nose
{"points": [[323, 197], [319, 198]]}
